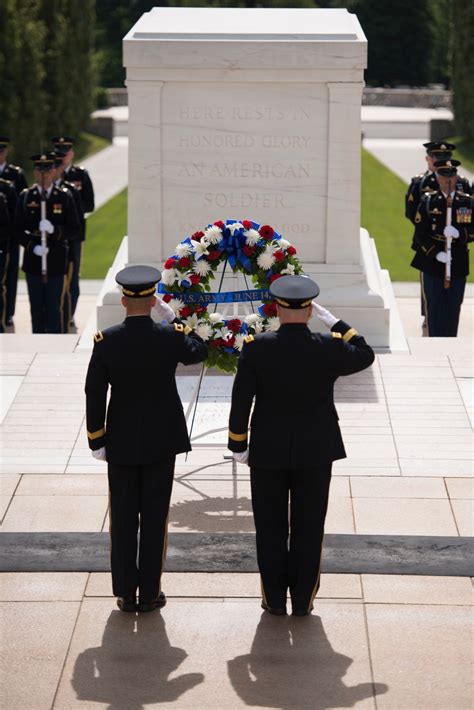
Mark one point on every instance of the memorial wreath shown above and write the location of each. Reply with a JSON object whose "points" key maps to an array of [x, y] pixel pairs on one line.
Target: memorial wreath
{"points": [[254, 250]]}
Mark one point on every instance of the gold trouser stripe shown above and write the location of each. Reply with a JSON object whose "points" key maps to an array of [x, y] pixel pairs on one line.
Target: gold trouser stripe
{"points": [[264, 596], [425, 301], [164, 553], [91, 435], [4, 290], [350, 334], [61, 302], [237, 437], [316, 586]]}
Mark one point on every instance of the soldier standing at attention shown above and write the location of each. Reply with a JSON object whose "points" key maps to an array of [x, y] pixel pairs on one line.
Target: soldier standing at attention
{"points": [[443, 218], [427, 182], [15, 175], [60, 225], [63, 145], [145, 430], [294, 439]]}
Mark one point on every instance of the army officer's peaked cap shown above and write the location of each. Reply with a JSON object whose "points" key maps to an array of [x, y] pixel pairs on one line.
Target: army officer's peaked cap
{"points": [[62, 143], [439, 147], [44, 161], [447, 168], [294, 291], [138, 281], [4, 142]]}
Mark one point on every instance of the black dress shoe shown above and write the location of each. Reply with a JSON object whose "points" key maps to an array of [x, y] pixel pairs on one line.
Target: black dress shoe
{"points": [[126, 604], [156, 603], [276, 611], [9, 322], [302, 612]]}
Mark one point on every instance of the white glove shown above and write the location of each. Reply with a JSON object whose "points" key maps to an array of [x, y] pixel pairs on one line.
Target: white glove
{"points": [[451, 232], [40, 250], [442, 257], [242, 457], [164, 310], [324, 315], [46, 226], [99, 454]]}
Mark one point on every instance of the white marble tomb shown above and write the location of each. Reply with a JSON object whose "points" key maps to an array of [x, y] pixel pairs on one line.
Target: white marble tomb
{"points": [[252, 114]]}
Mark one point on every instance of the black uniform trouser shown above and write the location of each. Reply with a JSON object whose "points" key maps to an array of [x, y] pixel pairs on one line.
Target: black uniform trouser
{"points": [[443, 305], [4, 258], [289, 544], [46, 303], [139, 498], [75, 246], [12, 279]]}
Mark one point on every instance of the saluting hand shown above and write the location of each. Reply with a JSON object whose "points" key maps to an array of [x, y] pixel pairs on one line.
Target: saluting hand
{"points": [[164, 310], [324, 315]]}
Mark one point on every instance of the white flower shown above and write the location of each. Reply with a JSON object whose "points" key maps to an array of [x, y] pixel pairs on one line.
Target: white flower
{"points": [[235, 225], [213, 234], [224, 333], [266, 259], [200, 248], [184, 280], [252, 237], [204, 330], [239, 341], [176, 304], [290, 269], [183, 250], [192, 321], [252, 318], [273, 323], [283, 243], [258, 326], [202, 267], [215, 317], [168, 277]]}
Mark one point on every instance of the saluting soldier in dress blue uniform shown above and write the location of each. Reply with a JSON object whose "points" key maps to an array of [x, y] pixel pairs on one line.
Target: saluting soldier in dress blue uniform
{"points": [[443, 300], [61, 225], [15, 175], [294, 438], [145, 430], [79, 177]]}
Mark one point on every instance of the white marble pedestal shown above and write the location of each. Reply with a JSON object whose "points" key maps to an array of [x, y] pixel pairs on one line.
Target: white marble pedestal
{"points": [[253, 114]]}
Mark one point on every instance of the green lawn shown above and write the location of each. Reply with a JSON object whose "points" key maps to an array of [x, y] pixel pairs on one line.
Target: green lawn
{"points": [[464, 152], [383, 215], [105, 230]]}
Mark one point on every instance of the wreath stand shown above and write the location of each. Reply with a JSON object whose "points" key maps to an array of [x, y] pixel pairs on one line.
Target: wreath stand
{"points": [[193, 403]]}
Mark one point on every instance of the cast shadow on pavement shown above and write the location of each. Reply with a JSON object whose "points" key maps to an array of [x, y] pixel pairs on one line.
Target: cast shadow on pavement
{"points": [[131, 668], [213, 515], [292, 666]]}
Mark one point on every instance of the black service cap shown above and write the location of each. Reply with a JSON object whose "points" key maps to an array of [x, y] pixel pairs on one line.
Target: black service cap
{"points": [[44, 161], [4, 142], [439, 147], [138, 281], [294, 291], [447, 168]]}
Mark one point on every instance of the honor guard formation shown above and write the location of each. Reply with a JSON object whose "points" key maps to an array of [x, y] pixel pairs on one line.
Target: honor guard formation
{"points": [[48, 221], [440, 205]]}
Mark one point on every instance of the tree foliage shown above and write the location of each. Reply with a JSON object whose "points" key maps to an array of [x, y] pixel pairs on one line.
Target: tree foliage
{"points": [[463, 67]]}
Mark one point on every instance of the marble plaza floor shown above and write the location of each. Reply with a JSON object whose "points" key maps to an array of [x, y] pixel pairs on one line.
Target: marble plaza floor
{"points": [[374, 640]]}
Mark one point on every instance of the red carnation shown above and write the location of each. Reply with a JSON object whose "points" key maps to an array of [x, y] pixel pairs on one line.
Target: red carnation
{"points": [[219, 224], [230, 343], [213, 343], [195, 279], [184, 262], [185, 312], [266, 232], [200, 309], [214, 255], [249, 250], [269, 309], [234, 325], [167, 297], [197, 236], [279, 255], [169, 263], [274, 277], [291, 250], [247, 224]]}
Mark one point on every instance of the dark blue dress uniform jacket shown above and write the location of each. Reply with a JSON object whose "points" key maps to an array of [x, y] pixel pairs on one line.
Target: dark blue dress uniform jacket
{"points": [[145, 418], [291, 374]]}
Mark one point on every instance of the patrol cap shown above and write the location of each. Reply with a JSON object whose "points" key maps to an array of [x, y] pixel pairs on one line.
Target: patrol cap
{"points": [[62, 143], [447, 168], [4, 142], [442, 148], [294, 291], [44, 161], [138, 281]]}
